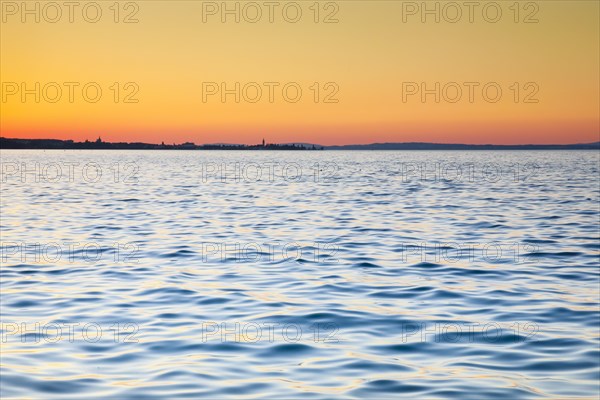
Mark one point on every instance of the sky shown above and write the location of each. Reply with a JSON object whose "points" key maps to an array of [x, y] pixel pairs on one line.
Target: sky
{"points": [[338, 72]]}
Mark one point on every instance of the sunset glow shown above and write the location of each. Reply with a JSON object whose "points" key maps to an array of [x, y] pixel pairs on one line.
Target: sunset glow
{"points": [[372, 58]]}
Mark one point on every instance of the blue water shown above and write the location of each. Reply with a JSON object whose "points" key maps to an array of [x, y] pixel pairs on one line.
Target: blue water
{"points": [[182, 274]]}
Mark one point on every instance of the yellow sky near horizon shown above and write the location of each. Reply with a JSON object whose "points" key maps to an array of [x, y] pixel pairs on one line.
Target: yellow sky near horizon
{"points": [[548, 72]]}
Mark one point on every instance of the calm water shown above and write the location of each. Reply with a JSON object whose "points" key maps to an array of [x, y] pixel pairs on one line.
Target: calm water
{"points": [[334, 275]]}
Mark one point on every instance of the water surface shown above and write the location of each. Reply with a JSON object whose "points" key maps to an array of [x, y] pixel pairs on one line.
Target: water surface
{"points": [[326, 274]]}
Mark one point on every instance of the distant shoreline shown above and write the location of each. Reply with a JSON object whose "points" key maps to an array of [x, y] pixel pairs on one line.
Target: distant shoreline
{"points": [[55, 144]]}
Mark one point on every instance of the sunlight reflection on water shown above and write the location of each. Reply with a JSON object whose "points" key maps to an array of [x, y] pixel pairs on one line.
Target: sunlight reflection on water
{"points": [[166, 274]]}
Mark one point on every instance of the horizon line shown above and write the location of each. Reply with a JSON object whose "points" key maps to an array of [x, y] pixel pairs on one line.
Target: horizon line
{"points": [[305, 143]]}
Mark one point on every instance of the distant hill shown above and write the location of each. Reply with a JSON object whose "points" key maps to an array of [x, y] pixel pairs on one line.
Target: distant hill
{"points": [[457, 146]]}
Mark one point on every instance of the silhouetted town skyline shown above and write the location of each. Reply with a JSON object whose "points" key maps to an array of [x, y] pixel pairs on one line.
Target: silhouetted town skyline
{"points": [[8, 143]]}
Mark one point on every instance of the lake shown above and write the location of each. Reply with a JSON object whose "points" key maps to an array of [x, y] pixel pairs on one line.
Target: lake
{"points": [[300, 274]]}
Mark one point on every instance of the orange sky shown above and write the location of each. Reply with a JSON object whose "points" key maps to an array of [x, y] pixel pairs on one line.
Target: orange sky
{"points": [[366, 66]]}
